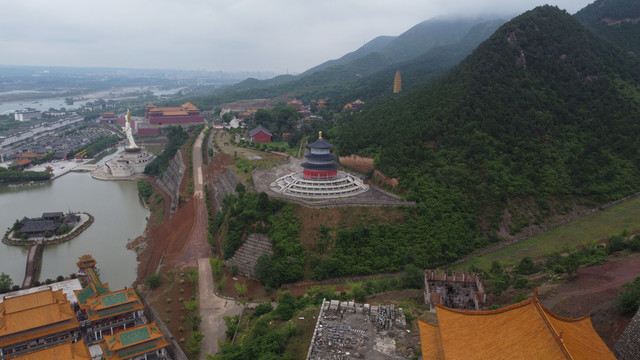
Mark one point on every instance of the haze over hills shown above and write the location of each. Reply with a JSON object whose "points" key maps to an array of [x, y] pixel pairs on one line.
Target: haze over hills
{"points": [[335, 77], [617, 21]]}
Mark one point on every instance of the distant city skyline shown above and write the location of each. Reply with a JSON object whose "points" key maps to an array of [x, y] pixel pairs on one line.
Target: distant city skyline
{"points": [[283, 36]]}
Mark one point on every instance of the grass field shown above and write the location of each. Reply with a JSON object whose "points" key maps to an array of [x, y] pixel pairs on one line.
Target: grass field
{"points": [[247, 159], [589, 230]]}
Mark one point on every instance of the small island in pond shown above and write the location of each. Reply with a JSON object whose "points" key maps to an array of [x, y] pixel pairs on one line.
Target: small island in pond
{"points": [[52, 227]]}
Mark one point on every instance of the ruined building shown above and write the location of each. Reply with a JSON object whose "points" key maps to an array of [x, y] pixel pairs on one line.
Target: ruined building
{"points": [[457, 291]]}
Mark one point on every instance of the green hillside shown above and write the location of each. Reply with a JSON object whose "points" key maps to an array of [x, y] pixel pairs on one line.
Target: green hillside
{"points": [[540, 116], [618, 21]]}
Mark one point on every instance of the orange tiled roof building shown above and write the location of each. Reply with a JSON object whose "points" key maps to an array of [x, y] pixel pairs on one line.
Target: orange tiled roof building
{"points": [[526, 330], [36, 321], [186, 113], [134, 343], [109, 311], [68, 351]]}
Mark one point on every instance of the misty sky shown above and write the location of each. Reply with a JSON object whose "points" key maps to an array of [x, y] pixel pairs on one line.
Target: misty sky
{"points": [[231, 35]]}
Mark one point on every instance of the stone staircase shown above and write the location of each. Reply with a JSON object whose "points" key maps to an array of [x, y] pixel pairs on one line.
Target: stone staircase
{"points": [[247, 255]]}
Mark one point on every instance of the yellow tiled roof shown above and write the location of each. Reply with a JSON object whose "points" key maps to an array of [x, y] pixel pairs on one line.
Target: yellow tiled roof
{"points": [[131, 342], [431, 342], [526, 330], [66, 351], [36, 314]]}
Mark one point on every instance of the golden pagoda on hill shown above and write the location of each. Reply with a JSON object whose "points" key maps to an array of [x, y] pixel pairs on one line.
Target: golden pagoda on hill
{"points": [[397, 83]]}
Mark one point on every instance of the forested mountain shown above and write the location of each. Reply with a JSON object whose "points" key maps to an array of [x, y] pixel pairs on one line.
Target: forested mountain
{"points": [[427, 35], [418, 71], [540, 115], [372, 46], [615, 20], [443, 42]]}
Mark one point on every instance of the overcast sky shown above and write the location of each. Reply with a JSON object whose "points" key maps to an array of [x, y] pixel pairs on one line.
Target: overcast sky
{"points": [[231, 35]]}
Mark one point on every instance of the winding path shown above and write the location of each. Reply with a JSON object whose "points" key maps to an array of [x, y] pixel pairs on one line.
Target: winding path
{"points": [[197, 252]]}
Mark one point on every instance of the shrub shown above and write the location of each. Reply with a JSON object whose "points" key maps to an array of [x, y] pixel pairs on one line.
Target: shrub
{"points": [[262, 309], [193, 344], [521, 297], [60, 278], [168, 300], [634, 243], [526, 266], [521, 283], [181, 329], [152, 281], [615, 243], [182, 318], [168, 310], [558, 269], [629, 298], [234, 270], [286, 306]]}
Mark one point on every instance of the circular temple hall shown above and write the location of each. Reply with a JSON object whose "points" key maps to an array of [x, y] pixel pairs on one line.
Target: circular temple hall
{"points": [[320, 177]]}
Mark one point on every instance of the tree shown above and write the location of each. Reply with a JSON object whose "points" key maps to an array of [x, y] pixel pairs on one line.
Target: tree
{"points": [[5, 283], [227, 117], [629, 298], [153, 281], [263, 267], [526, 266], [286, 306]]}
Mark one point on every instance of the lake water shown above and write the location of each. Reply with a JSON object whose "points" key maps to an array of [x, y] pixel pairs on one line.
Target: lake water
{"points": [[119, 217]]}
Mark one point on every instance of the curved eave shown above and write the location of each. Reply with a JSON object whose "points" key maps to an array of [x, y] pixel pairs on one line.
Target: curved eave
{"points": [[320, 144], [320, 167], [320, 157]]}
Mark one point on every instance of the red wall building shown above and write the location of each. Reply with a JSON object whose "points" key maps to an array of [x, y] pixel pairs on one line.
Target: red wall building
{"points": [[187, 113], [260, 135]]}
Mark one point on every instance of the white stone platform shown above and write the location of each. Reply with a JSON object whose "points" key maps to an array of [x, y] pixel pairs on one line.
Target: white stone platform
{"points": [[298, 186]]}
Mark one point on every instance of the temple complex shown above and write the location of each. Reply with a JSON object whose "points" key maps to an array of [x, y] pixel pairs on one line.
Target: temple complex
{"points": [[50, 324], [526, 330], [36, 321], [186, 113], [141, 342], [109, 311], [320, 177], [132, 160]]}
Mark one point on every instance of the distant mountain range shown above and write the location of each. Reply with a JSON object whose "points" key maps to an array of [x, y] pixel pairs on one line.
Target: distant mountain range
{"points": [[450, 41]]}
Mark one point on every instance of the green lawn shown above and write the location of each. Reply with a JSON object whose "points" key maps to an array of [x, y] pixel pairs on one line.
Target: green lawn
{"points": [[589, 230]]}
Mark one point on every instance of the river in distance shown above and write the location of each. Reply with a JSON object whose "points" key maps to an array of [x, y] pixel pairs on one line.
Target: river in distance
{"points": [[119, 217]]}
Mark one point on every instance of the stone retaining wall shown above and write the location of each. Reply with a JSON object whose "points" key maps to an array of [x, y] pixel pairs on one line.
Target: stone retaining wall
{"points": [[171, 179], [174, 348], [223, 186]]}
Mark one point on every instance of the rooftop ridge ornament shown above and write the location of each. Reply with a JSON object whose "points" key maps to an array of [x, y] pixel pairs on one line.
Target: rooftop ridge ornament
{"points": [[320, 134]]}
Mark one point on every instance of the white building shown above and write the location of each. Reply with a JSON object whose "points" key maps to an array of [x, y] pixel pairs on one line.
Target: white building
{"points": [[26, 114]]}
